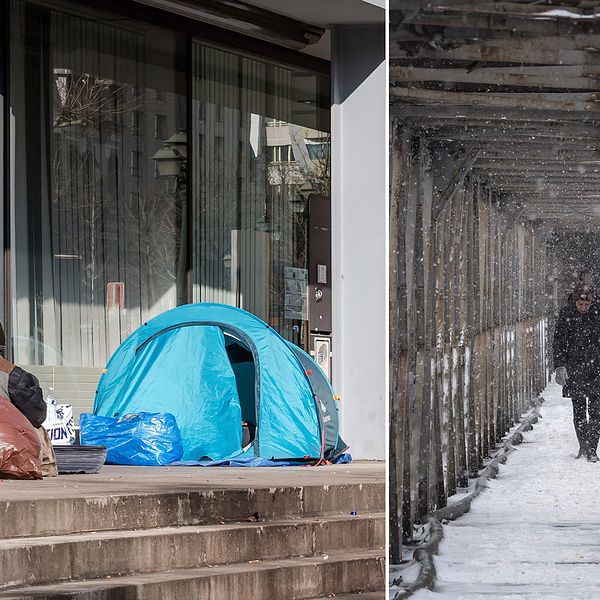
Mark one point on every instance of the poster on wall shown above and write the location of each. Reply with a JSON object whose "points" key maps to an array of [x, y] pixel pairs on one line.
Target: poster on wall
{"points": [[296, 293]]}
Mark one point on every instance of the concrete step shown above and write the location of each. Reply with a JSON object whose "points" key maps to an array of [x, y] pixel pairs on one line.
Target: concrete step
{"points": [[51, 559], [337, 573], [77, 510]]}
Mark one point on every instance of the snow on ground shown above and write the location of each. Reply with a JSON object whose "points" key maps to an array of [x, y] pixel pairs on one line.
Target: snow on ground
{"points": [[535, 533]]}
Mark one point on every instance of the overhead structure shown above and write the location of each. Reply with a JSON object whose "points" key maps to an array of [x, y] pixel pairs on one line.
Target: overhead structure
{"points": [[494, 212], [517, 80]]}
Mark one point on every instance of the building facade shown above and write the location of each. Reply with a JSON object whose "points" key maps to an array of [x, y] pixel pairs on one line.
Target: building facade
{"points": [[162, 152]]}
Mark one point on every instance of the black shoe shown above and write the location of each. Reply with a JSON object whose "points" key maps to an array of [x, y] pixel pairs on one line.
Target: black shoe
{"points": [[581, 453], [592, 457]]}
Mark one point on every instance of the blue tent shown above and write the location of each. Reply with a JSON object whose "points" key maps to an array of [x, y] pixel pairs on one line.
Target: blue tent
{"points": [[214, 367]]}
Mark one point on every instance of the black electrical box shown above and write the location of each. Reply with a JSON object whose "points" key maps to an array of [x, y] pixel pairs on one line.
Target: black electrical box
{"points": [[319, 264]]}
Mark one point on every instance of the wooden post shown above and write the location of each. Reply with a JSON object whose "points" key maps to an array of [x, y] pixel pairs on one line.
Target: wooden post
{"points": [[398, 342]]}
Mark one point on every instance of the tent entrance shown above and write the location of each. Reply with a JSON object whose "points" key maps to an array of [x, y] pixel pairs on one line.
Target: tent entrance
{"points": [[244, 369]]}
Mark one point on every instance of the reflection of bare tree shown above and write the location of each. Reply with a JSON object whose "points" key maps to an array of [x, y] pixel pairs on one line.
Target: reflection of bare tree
{"points": [[94, 123], [151, 224], [82, 105], [314, 168], [86, 100]]}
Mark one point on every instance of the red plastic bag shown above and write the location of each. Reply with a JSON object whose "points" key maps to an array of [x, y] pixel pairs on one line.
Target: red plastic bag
{"points": [[19, 444]]}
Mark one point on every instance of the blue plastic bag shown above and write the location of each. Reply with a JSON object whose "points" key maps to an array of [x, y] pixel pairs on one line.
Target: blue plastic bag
{"points": [[142, 439]]}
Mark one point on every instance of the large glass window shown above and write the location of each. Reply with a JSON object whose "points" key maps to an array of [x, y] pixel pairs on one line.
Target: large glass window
{"points": [[260, 148], [98, 112], [112, 221]]}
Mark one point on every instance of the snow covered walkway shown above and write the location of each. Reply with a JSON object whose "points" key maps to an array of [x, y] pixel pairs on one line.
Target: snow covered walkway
{"points": [[535, 533]]}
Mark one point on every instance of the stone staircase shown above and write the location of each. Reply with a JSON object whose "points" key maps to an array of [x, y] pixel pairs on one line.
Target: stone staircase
{"points": [[290, 542]]}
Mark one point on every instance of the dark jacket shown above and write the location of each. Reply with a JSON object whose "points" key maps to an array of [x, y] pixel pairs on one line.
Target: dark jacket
{"points": [[576, 346]]}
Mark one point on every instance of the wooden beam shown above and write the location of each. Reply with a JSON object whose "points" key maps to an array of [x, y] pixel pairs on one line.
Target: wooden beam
{"points": [[581, 102], [547, 177], [514, 136], [514, 173], [499, 53], [554, 126], [520, 24], [532, 164], [465, 112], [420, 4], [538, 196], [520, 151], [537, 11], [517, 214], [547, 77], [457, 178]]}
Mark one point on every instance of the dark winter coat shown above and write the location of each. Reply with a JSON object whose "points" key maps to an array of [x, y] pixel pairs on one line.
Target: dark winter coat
{"points": [[23, 390], [576, 346]]}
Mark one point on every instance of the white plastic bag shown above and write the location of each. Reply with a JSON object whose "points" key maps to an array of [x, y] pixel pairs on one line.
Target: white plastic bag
{"points": [[59, 423]]}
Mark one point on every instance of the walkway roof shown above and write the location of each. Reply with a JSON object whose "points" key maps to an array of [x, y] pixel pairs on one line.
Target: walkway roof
{"points": [[513, 87]]}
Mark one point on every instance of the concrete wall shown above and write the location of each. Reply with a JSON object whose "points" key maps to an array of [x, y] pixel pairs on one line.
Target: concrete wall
{"points": [[359, 228]]}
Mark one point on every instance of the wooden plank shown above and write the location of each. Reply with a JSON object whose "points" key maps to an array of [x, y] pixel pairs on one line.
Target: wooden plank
{"points": [[522, 25], [497, 51], [550, 127], [461, 314], [584, 102], [422, 406], [402, 5], [466, 112], [398, 342], [504, 136], [456, 179], [414, 401], [560, 77], [536, 10], [512, 165], [441, 367], [435, 491], [575, 155], [472, 318]]}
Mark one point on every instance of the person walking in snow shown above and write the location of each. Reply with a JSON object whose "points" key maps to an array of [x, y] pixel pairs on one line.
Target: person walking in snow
{"points": [[576, 349]]}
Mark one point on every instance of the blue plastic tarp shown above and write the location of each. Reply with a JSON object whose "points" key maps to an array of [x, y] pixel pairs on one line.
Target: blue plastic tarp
{"points": [[144, 439], [252, 461]]}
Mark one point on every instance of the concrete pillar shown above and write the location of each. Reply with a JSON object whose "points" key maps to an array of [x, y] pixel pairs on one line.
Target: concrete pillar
{"points": [[359, 236]]}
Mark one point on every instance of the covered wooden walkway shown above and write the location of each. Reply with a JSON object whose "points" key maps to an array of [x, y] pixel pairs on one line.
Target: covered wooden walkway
{"points": [[533, 534], [495, 200]]}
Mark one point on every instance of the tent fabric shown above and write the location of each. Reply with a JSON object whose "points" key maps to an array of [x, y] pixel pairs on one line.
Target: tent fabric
{"points": [[326, 401], [186, 372], [179, 361]]}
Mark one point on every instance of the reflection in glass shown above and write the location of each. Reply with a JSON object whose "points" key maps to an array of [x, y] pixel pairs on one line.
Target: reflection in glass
{"points": [[260, 148], [96, 224]]}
